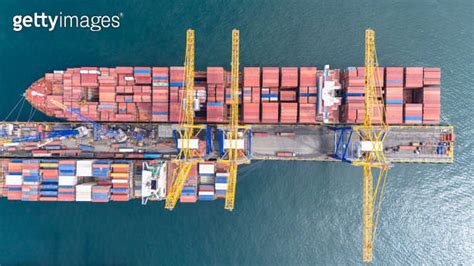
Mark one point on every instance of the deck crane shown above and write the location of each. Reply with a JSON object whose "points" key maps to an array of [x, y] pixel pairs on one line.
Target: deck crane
{"points": [[188, 132], [234, 132], [372, 160], [97, 127]]}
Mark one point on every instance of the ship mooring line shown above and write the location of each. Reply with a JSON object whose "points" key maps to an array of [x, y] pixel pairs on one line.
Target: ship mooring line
{"points": [[21, 109], [32, 113], [14, 108]]}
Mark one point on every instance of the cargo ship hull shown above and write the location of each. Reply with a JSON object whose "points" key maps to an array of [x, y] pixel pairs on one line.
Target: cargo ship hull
{"points": [[268, 95]]}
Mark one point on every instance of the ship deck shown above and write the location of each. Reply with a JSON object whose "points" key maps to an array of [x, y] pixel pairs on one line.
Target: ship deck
{"points": [[152, 140]]}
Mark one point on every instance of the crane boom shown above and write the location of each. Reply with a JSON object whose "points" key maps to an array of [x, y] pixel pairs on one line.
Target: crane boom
{"points": [[186, 129], [234, 124], [372, 132]]}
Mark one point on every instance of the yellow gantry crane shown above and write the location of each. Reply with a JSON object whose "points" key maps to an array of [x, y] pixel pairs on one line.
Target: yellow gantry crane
{"points": [[372, 134], [188, 132], [235, 132]]}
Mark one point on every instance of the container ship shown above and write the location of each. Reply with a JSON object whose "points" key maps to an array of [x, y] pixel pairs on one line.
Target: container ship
{"points": [[269, 95]]}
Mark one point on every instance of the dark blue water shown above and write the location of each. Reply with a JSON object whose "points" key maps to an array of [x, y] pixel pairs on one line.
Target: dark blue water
{"points": [[287, 213]]}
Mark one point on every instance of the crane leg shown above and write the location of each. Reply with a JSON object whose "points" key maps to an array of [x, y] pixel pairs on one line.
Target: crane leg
{"points": [[367, 214]]}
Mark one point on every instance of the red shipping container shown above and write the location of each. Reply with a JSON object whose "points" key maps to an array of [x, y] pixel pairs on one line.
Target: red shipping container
{"points": [[288, 96], [289, 77], [251, 112], [307, 113], [251, 77], [270, 112], [215, 112], [413, 77], [308, 76], [431, 76], [270, 77], [215, 75], [288, 112]]}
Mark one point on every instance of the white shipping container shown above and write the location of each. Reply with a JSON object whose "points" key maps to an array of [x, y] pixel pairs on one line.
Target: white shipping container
{"points": [[221, 186], [67, 180], [11, 144], [222, 174], [13, 180], [42, 155], [119, 181], [84, 167], [206, 168], [84, 191], [204, 193], [31, 183]]}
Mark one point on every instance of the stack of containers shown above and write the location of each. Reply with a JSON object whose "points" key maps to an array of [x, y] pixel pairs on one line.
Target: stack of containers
{"points": [[101, 171], [431, 76], [215, 112], [142, 75], [121, 181], [222, 176], [89, 76], [289, 113], [107, 107], [177, 88], [414, 77], [413, 110], [206, 192], [228, 91], [413, 113], [14, 179], [206, 181], [84, 168], [394, 95], [160, 94], [270, 84], [125, 77], [215, 94], [307, 95], [49, 170], [127, 109], [431, 97], [270, 94], [288, 91], [200, 95], [67, 180], [126, 82], [31, 180], [251, 95], [144, 107], [189, 191], [100, 193], [84, 191], [353, 94]]}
